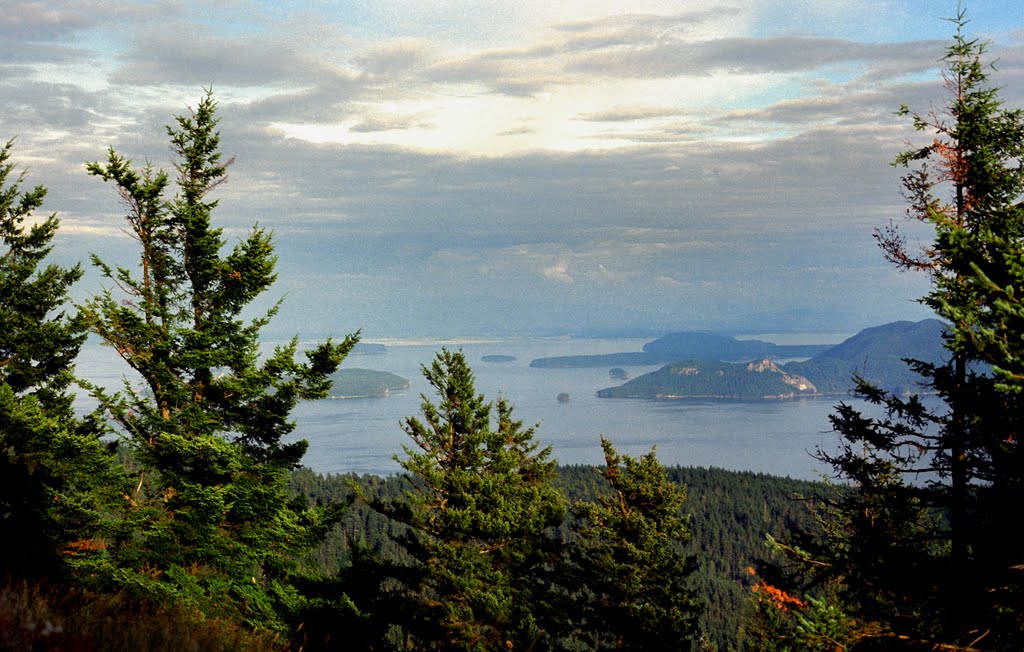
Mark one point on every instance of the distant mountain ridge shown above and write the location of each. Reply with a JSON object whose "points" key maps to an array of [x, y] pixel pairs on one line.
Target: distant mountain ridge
{"points": [[687, 345], [876, 354]]}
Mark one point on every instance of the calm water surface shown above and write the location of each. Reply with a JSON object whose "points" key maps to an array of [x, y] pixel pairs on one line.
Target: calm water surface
{"points": [[364, 435]]}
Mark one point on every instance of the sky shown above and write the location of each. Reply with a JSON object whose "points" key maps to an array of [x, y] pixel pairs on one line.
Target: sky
{"points": [[434, 168]]}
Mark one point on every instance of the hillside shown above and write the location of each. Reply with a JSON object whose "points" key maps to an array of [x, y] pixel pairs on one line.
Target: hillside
{"points": [[876, 354], [708, 346], [730, 513]]}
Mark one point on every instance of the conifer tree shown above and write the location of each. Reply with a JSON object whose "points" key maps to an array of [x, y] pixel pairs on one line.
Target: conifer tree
{"points": [[53, 466], [915, 547], [482, 507], [211, 521], [628, 560]]}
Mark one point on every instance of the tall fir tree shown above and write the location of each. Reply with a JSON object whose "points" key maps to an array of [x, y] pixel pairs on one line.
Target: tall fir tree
{"points": [[56, 476], [915, 547], [212, 523], [479, 517], [628, 563]]}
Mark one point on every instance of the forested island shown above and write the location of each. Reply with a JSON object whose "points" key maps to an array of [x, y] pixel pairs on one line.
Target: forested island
{"points": [[365, 383], [498, 358], [176, 515], [754, 381]]}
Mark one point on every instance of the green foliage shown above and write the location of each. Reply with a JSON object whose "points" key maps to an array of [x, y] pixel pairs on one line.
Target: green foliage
{"points": [[39, 339], [211, 522], [42, 616], [628, 562], [481, 506], [729, 514], [915, 552], [808, 624], [56, 477]]}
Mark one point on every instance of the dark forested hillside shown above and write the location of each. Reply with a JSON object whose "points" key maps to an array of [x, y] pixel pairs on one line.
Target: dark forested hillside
{"points": [[730, 514], [876, 354]]}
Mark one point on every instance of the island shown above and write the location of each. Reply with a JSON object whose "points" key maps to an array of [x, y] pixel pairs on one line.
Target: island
{"points": [[755, 381], [365, 383], [498, 358], [686, 345]]}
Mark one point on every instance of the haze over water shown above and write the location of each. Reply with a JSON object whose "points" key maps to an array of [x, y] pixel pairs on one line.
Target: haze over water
{"points": [[363, 435]]}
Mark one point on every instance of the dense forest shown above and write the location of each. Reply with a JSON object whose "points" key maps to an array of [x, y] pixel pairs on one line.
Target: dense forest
{"points": [[730, 514], [177, 514]]}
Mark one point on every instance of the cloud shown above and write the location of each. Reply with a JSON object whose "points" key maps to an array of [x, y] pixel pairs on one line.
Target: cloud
{"points": [[746, 55], [396, 59], [630, 113], [557, 272], [155, 56], [550, 163], [48, 21]]}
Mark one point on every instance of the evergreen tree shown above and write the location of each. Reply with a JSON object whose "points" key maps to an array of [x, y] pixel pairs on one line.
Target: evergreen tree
{"points": [[211, 521], [628, 562], [915, 546], [482, 507], [52, 465]]}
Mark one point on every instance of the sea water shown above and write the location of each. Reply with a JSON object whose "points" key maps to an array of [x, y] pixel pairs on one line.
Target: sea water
{"points": [[365, 435]]}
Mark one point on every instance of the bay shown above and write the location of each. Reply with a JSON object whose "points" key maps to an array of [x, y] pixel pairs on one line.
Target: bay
{"points": [[364, 435]]}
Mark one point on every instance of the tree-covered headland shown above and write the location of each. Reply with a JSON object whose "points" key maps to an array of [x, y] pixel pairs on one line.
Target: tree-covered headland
{"points": [[176, 515]]}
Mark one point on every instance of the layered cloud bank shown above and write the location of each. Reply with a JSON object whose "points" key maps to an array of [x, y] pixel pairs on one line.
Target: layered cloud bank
{"points": [[553, 167]]}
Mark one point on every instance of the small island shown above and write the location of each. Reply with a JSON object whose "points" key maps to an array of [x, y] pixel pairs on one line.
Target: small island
{"points": [[617, 373], [498, 358], [563, 397], [365, 383]]}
